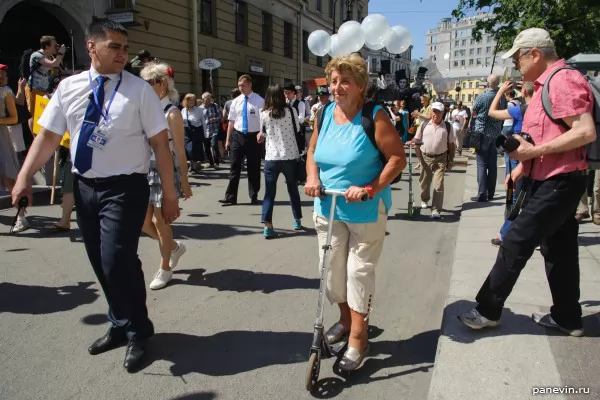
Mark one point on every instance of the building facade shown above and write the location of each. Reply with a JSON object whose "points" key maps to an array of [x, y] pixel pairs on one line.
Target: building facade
{"points": [[264, 38]]}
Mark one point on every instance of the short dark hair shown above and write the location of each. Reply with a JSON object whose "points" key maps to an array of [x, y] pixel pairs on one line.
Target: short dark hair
{"points": [[46, 41], [290, 87], [511, 93], [235, 93], [246, 77], [99, 29]]}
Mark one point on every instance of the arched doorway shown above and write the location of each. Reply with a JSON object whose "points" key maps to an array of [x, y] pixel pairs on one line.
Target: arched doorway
{"points": [[24, 24]]}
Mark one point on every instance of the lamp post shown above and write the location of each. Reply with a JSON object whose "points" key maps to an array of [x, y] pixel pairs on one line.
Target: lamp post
{"points": [[349, 5]]}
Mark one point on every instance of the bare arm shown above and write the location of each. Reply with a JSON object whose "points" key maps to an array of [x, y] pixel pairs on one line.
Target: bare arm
{"points": [[312, 171], [389, 143], [20, 97], [494, 112], [582, 132], [229, 132], [175, 121], [13, 117], [52, 64], [164, 164]]}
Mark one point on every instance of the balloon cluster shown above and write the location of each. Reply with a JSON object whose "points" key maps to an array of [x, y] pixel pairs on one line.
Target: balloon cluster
{"points": [[375, 33]]}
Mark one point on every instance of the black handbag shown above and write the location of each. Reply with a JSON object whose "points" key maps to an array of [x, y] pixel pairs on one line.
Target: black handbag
{"points": [[475, 140]]}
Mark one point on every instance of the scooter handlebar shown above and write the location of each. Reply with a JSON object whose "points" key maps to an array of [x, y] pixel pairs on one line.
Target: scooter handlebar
{"points": [[328, 192]]}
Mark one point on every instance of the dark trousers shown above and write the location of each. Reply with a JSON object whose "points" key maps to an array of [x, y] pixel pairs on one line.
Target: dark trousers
{"points": [[244, 146], [272, 170], [207, 142], [110, 214], [547, 219], [487, 170], [214, 144], [194, 144]]}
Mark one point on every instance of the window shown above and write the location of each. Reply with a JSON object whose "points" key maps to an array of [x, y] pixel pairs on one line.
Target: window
{"points": [[479, 61], [470, 86], [331, 8], [319, 5], [472, 41], [471, 62], [470, 98], [490, 39], [288, 41], [488, 50], [475, 96], [206, 14], [319, 61], [464, 42], [456, 53], [122, 4], [456, 63], [374, 64], [456, 43], [305, 50], [267, 32], [241, 21], [487, 60], [479, 51], [471, 52], [463, 98], [462, 63]]}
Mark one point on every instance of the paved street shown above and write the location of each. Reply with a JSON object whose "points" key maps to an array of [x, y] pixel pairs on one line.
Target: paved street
{"points": [[236, 321]]}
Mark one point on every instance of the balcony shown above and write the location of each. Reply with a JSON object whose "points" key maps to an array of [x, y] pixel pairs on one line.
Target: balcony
{"points": [[123, 12]]}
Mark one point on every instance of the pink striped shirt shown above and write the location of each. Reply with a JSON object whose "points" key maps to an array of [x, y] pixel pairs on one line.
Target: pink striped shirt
{"points": [[571, 95]]}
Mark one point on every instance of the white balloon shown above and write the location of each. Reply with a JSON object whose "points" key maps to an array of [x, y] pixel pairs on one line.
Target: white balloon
{"points": [[446, 56], [399, 40], [337, 49], [376, 29], [380, 43], [351, 36], [319, 43]]}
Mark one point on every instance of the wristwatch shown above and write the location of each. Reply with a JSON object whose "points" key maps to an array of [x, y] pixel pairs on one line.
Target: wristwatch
{"points": [[370, 191]]}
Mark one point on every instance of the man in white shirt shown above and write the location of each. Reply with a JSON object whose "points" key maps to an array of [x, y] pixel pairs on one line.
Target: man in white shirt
{"points": [[459, 121], [114, 118], [244, 125]]}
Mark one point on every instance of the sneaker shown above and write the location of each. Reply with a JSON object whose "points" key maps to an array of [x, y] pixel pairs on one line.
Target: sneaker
{"points": [[297, 225], [545, 319], [269, 233], [21, 225], [177, 253], [435, 215], [497, 242], [424, 205], [474, 320], [161, 279]]}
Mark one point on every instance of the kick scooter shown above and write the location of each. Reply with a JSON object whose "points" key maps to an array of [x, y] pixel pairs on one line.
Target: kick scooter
{"points": [[320, 348]]}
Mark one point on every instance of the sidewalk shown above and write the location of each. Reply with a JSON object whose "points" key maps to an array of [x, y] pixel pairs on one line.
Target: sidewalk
{"points": [[508, 362]]}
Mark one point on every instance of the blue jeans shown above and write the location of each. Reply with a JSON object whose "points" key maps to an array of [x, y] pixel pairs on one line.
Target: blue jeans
{"points": [[272, 171], [487, 169]]}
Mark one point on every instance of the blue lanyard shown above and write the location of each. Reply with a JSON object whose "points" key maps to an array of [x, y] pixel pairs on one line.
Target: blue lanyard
{"points": [[112, 96]]}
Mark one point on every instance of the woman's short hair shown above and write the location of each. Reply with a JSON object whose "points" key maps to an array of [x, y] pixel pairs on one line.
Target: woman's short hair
{"points": [[160, 71], [353, 63]]}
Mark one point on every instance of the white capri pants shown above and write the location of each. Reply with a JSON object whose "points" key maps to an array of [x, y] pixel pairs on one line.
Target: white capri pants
{"points": [[354, 254]]}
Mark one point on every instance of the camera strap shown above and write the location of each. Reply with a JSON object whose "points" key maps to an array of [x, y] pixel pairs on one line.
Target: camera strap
{"points": [[512, 211]]}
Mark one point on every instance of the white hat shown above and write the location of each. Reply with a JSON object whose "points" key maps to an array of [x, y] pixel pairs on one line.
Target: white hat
{"points": [[528, 39], [437, 106], [451, 106]]}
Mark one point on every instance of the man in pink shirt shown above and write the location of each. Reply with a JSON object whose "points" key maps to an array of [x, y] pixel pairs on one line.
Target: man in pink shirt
{"points": [[554, 169]]}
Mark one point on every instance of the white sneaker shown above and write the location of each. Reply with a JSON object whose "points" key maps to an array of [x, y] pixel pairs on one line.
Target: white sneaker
{"points": [[161, 279], [424, 205], [436, 215], [176, 254], [21, 225]]}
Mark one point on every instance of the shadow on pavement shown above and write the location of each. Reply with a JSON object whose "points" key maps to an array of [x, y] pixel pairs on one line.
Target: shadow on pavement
{"points": [[95, 319], [39, 228], [420, 349], [237, 280], [197, 396], [213, 231], [24, 299], [511, 324], [228, 353]]}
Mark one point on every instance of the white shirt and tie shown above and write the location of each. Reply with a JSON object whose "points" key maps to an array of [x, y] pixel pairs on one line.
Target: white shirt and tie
{"points": [[135, 115], [254, 106]]}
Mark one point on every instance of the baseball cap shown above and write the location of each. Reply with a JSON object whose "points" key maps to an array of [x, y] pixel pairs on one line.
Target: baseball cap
{"points": [[4, 67], [530, 38], [451, 106], [298, 88], [322, 91], [437, 106]]}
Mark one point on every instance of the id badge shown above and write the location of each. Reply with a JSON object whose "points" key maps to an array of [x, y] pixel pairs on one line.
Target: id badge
{"points": [[98, 138]]}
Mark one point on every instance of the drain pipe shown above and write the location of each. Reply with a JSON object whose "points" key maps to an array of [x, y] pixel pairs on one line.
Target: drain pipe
{"points": [[196, 55], [300, 45]]}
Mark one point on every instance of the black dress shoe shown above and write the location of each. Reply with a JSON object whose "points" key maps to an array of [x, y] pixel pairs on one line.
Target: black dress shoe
{"points": [[479, 199], [255, 201], [227, 202], [114, 338], [134, 355]]}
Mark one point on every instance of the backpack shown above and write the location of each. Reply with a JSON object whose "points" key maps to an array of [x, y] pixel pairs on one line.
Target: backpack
{"points": [[25, 69], [368, 126], [592, 149], [448, 129]]}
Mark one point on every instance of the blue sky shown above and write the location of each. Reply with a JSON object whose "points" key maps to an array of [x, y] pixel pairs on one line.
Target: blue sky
{"points": [[418, 16]]}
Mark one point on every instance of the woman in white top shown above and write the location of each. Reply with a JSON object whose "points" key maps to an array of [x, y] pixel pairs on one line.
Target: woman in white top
{"points": [[279, 125], [193, 120], [160, 77], [9, 163]]}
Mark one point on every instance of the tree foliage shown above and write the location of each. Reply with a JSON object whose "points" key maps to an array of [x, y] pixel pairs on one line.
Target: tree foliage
{"points": [[573, 24]]}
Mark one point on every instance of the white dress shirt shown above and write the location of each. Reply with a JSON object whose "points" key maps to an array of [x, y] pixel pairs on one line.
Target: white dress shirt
{"points": [[255, 105], [195, 117], [301, 109], [135, 116], [280, 136]]}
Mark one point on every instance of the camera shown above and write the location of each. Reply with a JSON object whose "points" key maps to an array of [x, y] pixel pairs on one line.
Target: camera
{"points": [[510, 144]]}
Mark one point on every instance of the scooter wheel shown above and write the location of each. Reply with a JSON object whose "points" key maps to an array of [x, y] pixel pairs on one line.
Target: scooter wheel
{"points": [[312, 373]]}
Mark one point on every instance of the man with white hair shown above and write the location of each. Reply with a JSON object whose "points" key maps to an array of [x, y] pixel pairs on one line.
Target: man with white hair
{"points": [[212, 120], [554, 168], [489, 129]]}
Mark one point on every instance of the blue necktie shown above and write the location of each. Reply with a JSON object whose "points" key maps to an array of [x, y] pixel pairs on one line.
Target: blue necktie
{"points": [[245, 116], [83, 156]]}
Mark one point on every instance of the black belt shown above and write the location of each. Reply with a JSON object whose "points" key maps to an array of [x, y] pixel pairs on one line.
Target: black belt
{"points": [[107, 179], [435, 155], [246, 134]]}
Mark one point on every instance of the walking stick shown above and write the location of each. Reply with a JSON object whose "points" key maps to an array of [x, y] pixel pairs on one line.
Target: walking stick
{"points": [[54, 173]]}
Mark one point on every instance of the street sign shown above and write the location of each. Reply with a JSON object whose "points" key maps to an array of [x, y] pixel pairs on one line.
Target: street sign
{"points": [[210, 64]]}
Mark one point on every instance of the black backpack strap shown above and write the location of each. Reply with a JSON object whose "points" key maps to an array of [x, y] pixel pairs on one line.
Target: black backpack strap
{"points": [[547, 103], [320, 115], [368, 125], [293, 120], [448, 129], [167, 108]]}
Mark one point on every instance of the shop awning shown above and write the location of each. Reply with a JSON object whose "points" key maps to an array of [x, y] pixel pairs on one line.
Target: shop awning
{"points": [[313, 84]]}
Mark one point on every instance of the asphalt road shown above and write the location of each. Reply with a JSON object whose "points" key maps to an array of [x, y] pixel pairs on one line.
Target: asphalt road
{"points": [[236, 321]]}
